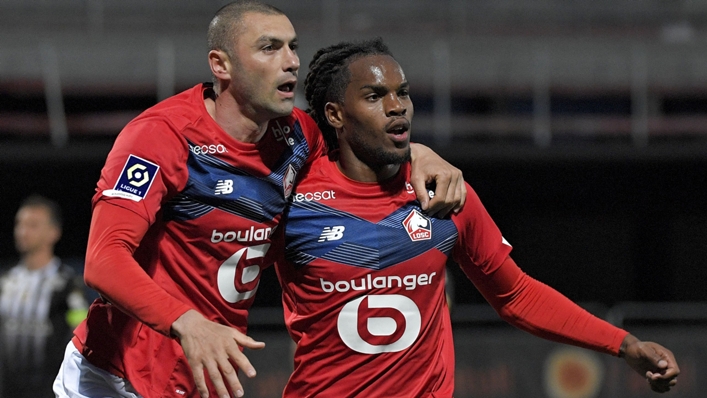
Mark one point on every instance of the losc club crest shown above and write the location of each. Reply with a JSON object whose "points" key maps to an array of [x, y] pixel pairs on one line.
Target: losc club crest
{"points": [[417, 226], [289, 181]]}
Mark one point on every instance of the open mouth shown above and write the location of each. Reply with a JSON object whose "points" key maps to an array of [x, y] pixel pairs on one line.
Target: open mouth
{"points": [[399, 127], [398, 131], [287, 87]]}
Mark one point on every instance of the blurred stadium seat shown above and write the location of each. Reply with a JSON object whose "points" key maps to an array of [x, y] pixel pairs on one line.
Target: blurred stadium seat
{"points": [[533, 73]]}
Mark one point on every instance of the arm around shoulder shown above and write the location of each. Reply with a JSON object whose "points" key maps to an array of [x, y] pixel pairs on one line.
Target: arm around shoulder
{"points": [[429, 167]]}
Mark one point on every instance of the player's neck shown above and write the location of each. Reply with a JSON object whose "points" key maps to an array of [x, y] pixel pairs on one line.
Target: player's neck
{"points": [[37, 259], [234, 119], [357, 170]]}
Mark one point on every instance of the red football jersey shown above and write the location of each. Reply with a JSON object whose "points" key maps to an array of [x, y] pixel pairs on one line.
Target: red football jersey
{"points": [[363, 285], [363, 288], [213, 203]]}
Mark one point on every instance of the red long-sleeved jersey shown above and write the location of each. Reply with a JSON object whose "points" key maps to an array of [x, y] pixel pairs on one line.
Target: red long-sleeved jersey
{"points": [[363, 288], [183, 215]]}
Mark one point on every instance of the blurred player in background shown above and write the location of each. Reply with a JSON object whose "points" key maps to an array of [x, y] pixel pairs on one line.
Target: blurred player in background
{"points": [[183, 213], [41, 301], [364, 274]]}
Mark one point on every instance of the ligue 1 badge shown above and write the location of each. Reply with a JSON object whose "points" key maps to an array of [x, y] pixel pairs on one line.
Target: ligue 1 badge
{"points": [[418, 226], [135, 179]]}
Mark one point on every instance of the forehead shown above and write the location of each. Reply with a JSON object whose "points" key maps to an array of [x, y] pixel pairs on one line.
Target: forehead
{"points": [[376, 69], [33, 213], [255, 26]]}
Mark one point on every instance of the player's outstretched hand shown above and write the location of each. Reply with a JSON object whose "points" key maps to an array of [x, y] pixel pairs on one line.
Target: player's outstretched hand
{"points": [[652, 361], [450, 190], [214, 348]]}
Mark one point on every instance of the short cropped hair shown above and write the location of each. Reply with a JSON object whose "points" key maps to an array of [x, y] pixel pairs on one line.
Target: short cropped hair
{"points": [[54, 209], [226, 24]]}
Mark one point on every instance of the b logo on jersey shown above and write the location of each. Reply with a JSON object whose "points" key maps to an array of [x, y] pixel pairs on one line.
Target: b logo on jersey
{"points": [[235, 276], [379, 323], [223, 187], [135, 180], [332, 233], [418, 226]]}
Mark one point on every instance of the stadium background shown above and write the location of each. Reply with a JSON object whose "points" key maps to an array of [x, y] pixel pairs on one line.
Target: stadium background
{"points": [[582, 125]]}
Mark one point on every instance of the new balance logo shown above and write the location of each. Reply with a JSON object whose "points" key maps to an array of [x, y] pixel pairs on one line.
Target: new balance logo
{"points": [[224, 187], [332, 233]]}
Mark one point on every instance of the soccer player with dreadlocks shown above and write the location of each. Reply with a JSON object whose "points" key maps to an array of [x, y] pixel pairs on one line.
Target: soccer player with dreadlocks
{"points": [[363, 269]]}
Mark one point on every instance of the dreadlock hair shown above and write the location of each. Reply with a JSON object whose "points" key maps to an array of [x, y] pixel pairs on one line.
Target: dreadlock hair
{"points": [[329, 75]]}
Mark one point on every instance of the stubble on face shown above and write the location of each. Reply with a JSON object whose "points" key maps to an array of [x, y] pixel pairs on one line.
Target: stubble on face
{"points": [[375, 156], [368, 120], [258, 72]]}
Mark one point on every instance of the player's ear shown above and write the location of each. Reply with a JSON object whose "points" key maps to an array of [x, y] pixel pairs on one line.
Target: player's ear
{"points": [[334, 114], [220, 64], [56, 235]]}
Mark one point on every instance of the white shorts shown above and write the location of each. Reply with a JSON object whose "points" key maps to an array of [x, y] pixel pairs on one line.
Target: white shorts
{"points": [[77, 378]]}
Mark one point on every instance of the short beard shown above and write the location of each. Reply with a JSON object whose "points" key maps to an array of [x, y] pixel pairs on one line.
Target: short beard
{"points": [[378, 158]]}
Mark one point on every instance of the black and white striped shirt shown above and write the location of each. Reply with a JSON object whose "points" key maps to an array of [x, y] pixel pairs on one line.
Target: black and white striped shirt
{"points": [[35, 308]]}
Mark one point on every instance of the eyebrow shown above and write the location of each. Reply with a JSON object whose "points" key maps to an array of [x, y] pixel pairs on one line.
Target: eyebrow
{"points": [[275, 40], [377, 87]]}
